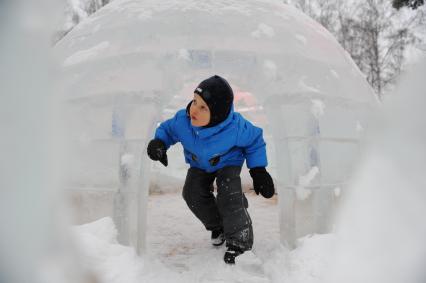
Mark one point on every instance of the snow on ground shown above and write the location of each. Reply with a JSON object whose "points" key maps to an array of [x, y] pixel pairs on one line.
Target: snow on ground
{"points": [[179, 249]]}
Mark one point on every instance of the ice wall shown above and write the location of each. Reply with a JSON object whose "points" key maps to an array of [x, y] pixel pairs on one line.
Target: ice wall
{"points": [[381, 229], [23, 146], [134, 63], [32, 246]]}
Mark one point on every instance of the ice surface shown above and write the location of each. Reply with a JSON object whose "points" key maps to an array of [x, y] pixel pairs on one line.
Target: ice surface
{"points": [[263, 30], [301, 38], [301, 192], [337, 191], [317, 108], [334, 73], [85, 55], [127, 159]]}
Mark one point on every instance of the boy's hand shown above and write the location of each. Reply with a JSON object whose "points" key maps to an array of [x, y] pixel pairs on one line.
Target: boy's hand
{"points": [[157, 151], [262, 182]]}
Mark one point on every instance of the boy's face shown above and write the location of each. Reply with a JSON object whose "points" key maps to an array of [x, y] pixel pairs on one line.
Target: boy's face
{"points": [[199, 112]]}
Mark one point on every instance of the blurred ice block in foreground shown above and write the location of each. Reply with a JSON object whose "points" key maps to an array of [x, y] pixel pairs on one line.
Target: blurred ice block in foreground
{"points": [[382, 228], [32, 248]]}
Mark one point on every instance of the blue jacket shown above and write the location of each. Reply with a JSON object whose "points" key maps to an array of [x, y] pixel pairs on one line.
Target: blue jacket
{"points": [[228, 143]]}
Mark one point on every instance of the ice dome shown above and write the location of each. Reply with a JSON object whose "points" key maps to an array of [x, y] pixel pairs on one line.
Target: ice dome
{"points": [[134, 63]]}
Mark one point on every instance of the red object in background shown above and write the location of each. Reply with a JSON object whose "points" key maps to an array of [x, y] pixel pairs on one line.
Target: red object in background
{"points": [[247, 104]]}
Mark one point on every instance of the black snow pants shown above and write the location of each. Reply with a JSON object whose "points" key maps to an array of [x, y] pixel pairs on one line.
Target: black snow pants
{"points": [[228, 210]]}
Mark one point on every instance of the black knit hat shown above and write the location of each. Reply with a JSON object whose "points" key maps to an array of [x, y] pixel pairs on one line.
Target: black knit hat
{"points": [[218, 95]]}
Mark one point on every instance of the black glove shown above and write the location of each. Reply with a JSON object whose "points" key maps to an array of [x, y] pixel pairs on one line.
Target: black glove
{"points": [[157, 151], [262, 182]]}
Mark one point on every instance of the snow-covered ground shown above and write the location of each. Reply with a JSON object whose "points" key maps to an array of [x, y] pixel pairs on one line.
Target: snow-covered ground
{"points": [[179, 249]]}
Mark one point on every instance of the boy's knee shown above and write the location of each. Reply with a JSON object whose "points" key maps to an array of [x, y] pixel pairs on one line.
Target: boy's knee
{"points": [[194, 193]]}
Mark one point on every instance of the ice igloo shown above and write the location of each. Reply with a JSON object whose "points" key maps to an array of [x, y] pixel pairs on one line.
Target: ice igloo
{"points": [[135, 62]]}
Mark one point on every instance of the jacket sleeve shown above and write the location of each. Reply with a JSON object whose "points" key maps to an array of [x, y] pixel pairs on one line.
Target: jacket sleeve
{"points": [[167, 132], [250, 138]]}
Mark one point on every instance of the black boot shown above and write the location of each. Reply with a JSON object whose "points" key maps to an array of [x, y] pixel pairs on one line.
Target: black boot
{"points": [[231, 254], [218, 238]]}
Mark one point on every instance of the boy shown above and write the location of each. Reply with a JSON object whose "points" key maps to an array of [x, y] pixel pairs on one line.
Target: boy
{"points": [[216, 141]]}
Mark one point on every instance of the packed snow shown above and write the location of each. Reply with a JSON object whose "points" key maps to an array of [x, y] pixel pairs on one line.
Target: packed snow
{"points": [[179, 249]]}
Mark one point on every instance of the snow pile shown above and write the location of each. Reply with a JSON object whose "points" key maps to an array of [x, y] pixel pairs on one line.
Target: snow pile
{"points": [[308, 263], [179, 249], [110, 261]]}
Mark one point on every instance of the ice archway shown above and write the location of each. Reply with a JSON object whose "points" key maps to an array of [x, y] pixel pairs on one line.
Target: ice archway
{"points": [[133, 63]]}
